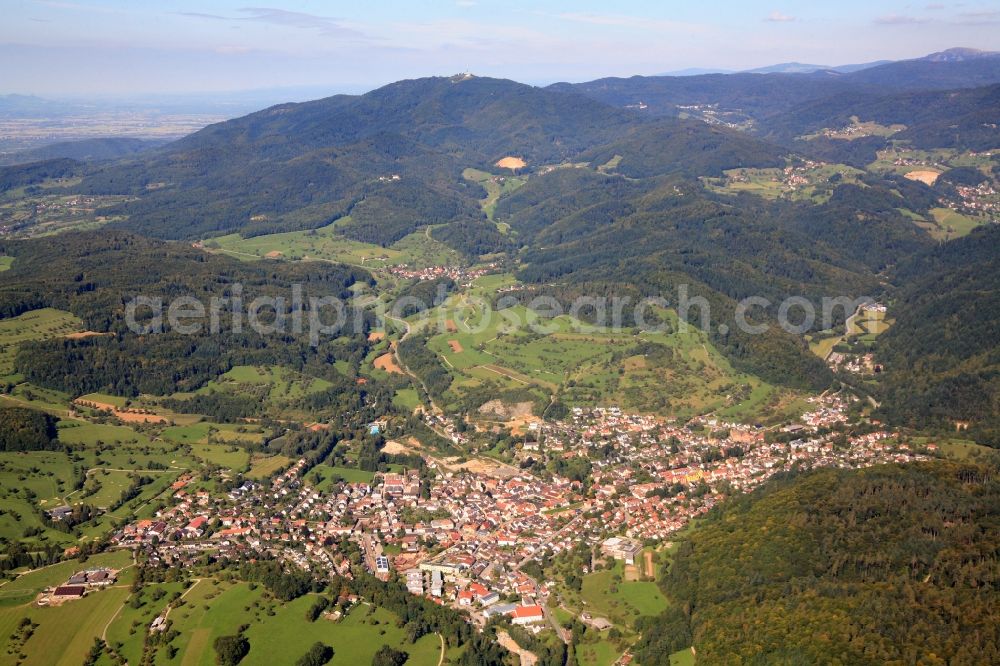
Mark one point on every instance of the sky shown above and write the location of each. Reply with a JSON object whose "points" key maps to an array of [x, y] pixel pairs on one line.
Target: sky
{"points": [[133, 47]]}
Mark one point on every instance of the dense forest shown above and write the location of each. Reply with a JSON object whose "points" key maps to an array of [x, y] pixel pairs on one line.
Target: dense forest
{"points": [[26, 430], [942, 363], [588, 234], [892, 564], [95, 274]]}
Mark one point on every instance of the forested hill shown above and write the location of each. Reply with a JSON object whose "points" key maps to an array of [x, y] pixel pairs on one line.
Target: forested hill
{"points": [[886, 565], [762, 95], [942, 362], [94, 275], [85, 150], [936, 118], [298, 166]]}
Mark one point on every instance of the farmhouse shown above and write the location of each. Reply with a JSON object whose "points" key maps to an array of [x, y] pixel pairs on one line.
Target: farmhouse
{"points": [[69, 592]]}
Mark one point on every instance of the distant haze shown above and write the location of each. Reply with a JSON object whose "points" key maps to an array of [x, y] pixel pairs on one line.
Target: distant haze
{"points": [[113, 47]]}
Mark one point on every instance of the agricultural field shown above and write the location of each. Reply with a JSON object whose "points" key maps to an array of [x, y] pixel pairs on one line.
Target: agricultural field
{"points": [[406, 399], [262, 467], [101, 465], [35, 325], [327, 244], [857, 130], [606, 593], [5, 263], [93, 434], [36, 397], [65, 633], [952, 224], [329, 475], [495, 185], [279, 390], [810, 181], [678, 374], [207, 432], [129, 627], [25, 585], [284, 384], [600, 653], [822, 344], [230, 457], [902, 159], [47, 214], [277, 631]]}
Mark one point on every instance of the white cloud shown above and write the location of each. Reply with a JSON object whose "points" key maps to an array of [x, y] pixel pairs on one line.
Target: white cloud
{"points": [[899, 19], [778, 17]]}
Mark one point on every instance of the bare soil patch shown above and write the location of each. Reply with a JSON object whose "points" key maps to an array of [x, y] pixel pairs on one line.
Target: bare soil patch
{"points": [[456, 346], [505, 410], [375, 336], [511, 162], [450, 326], [388, 363], [273, 254], [925, 177], [85, 334], [648, 559], [138, 417], [392, 447]]}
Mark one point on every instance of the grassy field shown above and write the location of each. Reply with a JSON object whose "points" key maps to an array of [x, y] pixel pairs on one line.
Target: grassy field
{"points": [[601, 653], [277, 631], [106, 399], [278, 634], [682, 658], [669, 373], [90, 434], [230, 457], [329, 474], [325, 243], [5, 263], [129, 626], [206, 432], [108, 455], [22, 590], [35, 325], [622, 602], [262, 467], [774, 183], [406, 399], [496, 186], [823, 346], [48, 214], [283, 385], [857, 130], [952, 224]]}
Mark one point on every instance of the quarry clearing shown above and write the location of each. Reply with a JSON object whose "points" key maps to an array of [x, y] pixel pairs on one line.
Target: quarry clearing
{"points": [[511, 162], [925, 177]]}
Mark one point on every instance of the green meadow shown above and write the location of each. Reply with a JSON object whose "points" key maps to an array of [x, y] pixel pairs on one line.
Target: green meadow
{"points": [[772, 183], [676, 373], [495, 185], [278, 632], [328, 475], [327, 244], [604, 593], [262, 467], [34, 325]]}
